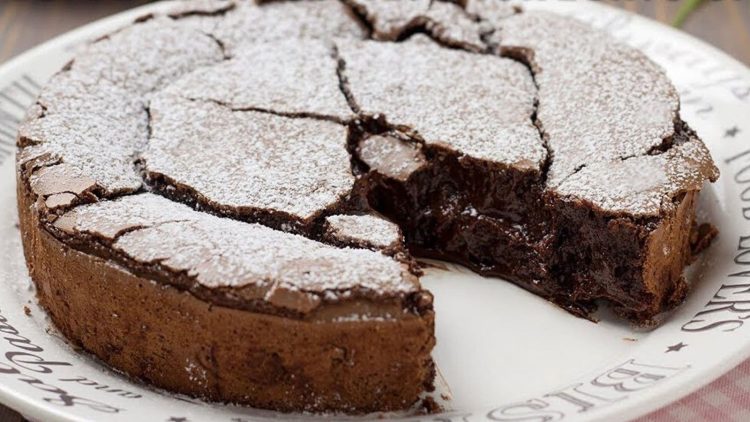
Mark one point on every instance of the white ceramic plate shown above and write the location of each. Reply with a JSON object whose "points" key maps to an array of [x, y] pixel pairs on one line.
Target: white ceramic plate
{"points": [[503, 353]]}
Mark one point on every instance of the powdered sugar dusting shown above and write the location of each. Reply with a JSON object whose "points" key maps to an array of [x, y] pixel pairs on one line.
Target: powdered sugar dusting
{"points": [[60, 178], [446, 21], [644, 185], [364, 229], [103, 218], [221, 252], [477, 104], [292, 76], [94, 128], [256, 160], [94, 116], [148, 56], [599, 100], [201, 7], [450, 24], [283, 20], [197, 374], [490, 11], [389, 18], [202, 15], [364, 317]]}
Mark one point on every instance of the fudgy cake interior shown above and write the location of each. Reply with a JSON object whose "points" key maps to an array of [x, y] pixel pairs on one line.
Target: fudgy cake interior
{"points": [[503, 222], [597, 204]]}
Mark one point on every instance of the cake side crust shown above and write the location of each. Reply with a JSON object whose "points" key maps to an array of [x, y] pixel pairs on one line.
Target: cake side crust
{"points": [[171, 339]]}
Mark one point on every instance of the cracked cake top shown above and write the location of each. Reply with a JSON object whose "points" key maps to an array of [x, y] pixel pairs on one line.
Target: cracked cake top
{"points": [[251, 112], [598, 100], [247, 159], [250, 23], [287, 270], [92, 116], [447, 22], [294, 77], [366, 230], [479, 105]]}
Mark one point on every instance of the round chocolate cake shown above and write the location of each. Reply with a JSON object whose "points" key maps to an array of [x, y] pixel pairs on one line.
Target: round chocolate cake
{"points": [[227, 200]]}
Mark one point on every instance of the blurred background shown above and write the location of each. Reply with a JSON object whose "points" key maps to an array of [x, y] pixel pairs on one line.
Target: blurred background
{"points": [[723, 23]]}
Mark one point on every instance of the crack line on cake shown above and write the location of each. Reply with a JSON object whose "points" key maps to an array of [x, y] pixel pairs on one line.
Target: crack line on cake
{"points": [[575, 171], [344, 82], [289, 115], [91, 194], [222, 46], [360, 14], [136, 228], [682, 133], [163, 185], [218, 12]]}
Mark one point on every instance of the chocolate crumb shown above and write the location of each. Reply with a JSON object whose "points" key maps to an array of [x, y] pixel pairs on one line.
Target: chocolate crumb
{"points": [[429, 406]]}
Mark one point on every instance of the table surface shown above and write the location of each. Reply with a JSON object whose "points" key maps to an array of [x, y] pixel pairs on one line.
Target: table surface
{"points": [[723, 23]]}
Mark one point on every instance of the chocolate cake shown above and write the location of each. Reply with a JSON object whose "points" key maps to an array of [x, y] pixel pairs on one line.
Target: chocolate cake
{"points": [[227, 199]]}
